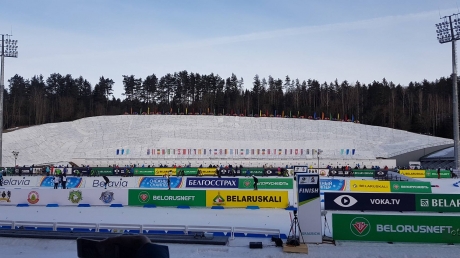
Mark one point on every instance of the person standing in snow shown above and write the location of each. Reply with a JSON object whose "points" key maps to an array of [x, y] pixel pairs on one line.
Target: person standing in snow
{"points": [[256, 181]]}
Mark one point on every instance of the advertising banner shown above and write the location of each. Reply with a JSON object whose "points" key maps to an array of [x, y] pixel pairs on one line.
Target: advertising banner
{"points": [[332, 184], [396, 228], [195, 198], [255, 171], [380, 174], [300, 169], [159, 182], [369, 201], [309, 210], [345, 173], [81, 171], [17, 181], [410, 187], [144, 171], [266, 183], [272, 172], [242, 198], [434, 173], [101, 171], [200, 182], [438, 202], [207, 171], [187, 171], [115, 182], [228, 171], [413, 173], [363, 172], [323, 172], [72, 182], [63, 197], [369, 186]]}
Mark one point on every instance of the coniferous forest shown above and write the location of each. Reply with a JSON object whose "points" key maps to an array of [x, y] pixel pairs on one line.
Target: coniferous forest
{"points": [[420, 107]]}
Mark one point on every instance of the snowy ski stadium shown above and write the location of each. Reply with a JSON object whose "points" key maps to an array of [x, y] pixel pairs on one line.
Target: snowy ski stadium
{"points": [[190, 219]]}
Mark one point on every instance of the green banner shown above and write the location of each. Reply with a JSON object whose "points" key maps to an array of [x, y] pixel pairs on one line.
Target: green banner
{"points": [[434, 173], [363, 172], [254, 171], [101, 171], [437, 202], [195, 198], [266, 183], [410, 187], [396, 228], [144, 171], [187, 171]]}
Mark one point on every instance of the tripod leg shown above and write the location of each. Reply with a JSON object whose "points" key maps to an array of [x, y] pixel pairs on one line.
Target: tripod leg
{"points": [[300, 230]]}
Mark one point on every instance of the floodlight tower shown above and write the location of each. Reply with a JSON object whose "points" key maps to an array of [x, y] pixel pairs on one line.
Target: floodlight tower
{"points": [[9, 49]]}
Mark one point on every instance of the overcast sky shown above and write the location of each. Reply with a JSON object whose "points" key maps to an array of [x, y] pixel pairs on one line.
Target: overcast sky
{"points": [[350, 40]]}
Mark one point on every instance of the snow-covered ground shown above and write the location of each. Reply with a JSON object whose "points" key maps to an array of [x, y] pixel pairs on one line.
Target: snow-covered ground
{"points": [[95, 141], [42, 248]]}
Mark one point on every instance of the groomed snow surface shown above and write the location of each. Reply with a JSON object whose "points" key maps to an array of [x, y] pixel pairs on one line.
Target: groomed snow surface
{"points": [[95, 140], [262, 218]]}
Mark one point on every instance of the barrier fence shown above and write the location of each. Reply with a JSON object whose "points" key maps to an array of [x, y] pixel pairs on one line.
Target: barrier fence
{"points": [[150, 171], [140, 197], [151, 182]]}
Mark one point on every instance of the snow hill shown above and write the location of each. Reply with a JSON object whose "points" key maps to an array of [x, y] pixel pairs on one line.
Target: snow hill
{"points": [[143, 138]]}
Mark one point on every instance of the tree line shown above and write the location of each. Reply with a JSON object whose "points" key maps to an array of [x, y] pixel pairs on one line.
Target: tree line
{"points": [[420, 107]]}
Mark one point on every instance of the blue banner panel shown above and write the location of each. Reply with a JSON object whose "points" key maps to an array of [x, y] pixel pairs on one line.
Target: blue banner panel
{"points": [[199, 182], [159, 182]]}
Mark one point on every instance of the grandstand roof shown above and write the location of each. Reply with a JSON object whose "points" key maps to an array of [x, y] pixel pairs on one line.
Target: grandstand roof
{"points": [[140, 135], [447, 153]]}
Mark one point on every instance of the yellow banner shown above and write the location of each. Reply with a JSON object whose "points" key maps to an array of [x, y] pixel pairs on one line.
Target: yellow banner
{"points": [[369, 186], [165, 171], [242, 198], [413, 173], [207, 171]]}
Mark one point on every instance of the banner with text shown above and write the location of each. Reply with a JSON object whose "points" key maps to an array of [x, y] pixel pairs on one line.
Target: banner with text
{"points": [[309, 210], [410, 187], [369, 201], [266, 183], [438, 202], [413, 173], [242, 198], [202, 182], [195, 198], [396, 228], [369, 186], [332, 184], [159, 182]]}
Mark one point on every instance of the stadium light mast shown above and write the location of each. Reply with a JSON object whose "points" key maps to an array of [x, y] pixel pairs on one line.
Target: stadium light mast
{"points": [[9, 49], [449, 31]]}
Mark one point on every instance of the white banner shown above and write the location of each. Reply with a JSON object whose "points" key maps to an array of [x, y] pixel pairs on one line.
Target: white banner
{"points": [[115, 182], [20, 181], [309, 208], [63, 197]]}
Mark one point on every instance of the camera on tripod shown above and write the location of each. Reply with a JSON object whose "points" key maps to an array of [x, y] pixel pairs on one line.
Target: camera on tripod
{"points": [[293, 239]]}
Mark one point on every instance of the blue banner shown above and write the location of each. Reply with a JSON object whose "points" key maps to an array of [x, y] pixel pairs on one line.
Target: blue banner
{"points": [[199, 182], [162, 182], [332, 184], [72, 182]]}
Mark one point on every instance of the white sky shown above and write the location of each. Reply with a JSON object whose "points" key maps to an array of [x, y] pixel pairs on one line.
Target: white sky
{"points": [[323, 40]]}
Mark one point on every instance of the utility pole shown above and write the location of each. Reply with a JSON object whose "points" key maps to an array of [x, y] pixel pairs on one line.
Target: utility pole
{"points": [[449, 31]]}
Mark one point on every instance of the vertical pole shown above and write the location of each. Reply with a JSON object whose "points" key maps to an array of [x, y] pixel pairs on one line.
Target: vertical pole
{"points": [[2, 86], [454, 95]]}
